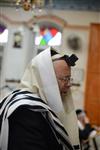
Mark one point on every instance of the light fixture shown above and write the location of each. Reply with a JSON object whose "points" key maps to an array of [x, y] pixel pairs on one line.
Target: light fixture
{"points": [[30, 4]]}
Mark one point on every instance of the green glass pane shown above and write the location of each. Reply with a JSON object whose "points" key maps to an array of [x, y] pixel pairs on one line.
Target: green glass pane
{"points": [[43, 42]]}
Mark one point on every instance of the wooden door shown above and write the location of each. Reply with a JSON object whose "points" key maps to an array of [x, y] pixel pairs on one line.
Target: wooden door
{"points": [[92, 91]]}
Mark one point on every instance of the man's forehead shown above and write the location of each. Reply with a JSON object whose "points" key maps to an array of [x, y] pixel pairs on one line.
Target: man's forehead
{"points": [[60, 63]]}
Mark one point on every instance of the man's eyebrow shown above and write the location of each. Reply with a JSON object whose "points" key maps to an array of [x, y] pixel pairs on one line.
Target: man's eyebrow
{"points": [[68, 76]]}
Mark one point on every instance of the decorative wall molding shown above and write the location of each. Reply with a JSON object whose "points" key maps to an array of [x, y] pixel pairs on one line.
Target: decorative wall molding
{"points": [[52, 18], [61, 22], [6, 20]]}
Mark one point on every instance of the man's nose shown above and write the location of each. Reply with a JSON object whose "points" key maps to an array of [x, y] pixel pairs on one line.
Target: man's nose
{"points": [[69, 83]]}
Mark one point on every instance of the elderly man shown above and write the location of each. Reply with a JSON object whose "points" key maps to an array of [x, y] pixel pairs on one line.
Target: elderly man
{"points": [[40, 115]]}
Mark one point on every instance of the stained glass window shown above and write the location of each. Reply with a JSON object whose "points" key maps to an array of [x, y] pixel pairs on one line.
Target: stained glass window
{"points": [[48, 36]]}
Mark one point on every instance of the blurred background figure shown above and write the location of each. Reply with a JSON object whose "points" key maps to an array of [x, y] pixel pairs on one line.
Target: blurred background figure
{"points": [[86, 131]]}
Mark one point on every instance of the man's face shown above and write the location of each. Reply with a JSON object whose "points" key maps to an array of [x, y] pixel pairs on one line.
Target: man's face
{"points": [[63, 74]]}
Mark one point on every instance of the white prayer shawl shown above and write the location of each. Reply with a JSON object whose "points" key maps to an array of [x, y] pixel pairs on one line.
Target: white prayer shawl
{"points": [[40, 77]]}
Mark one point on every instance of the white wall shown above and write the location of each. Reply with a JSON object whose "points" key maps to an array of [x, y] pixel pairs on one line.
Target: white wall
{"points": [[79, 17], [80, 68], [16, 59]]}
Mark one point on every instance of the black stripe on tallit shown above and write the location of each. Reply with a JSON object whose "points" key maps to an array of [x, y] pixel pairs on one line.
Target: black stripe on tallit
{"points": [[35, 98], [61, 127], [13, 95], [4, 99], [59, 135], [58, 123], [27, 98], [36, 108], [76, 147], [68, 145], [1, 103], [16, 93], [53, 113]]}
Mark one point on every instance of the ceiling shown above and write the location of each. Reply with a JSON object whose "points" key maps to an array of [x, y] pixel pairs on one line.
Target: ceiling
{"points": [[90, 5]]}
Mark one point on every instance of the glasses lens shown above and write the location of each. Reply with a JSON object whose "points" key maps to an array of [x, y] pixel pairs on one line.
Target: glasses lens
{"points": [[67, 79]]}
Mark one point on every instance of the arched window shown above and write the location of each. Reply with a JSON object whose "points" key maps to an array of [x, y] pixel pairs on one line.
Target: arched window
{"points": [[47, 35]]}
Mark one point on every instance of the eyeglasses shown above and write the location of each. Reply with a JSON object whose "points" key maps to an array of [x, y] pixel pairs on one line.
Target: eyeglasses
{"points": [[66, 79]]}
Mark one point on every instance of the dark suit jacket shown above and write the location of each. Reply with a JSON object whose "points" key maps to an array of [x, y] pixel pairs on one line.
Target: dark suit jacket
{"points": [[84, 134], [28, 130]]}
